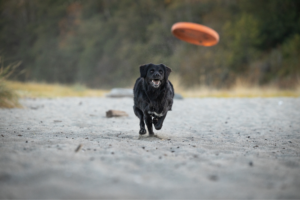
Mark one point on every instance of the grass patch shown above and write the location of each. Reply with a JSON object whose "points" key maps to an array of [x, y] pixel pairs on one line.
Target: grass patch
{"points": [[240, 89], [8, 97], [33, 90]]}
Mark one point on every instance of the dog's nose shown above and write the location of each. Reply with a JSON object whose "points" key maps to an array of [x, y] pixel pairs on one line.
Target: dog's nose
{"points": [[156, 75]]}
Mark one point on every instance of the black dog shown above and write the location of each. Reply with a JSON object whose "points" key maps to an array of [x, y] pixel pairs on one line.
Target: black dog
{"points": [[153, 96]]}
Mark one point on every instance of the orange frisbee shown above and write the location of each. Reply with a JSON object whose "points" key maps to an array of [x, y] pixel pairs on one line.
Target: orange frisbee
{"points": [[195, 33]]}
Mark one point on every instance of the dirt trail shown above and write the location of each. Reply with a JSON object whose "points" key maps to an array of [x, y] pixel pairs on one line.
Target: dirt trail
{"points": [[207, 148]]}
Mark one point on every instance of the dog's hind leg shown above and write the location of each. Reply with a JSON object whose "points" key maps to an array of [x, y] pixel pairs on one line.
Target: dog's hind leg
{"points": [[140, 115]]}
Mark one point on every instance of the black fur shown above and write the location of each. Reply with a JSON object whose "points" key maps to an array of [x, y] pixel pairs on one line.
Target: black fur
{"points": [[152, 97]]}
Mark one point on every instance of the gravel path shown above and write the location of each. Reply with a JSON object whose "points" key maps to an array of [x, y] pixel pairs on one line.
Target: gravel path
{"points": [[207, 148]]}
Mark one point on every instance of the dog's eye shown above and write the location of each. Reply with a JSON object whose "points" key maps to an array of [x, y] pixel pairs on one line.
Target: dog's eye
{"points": [[160, 71], [151, 71]]}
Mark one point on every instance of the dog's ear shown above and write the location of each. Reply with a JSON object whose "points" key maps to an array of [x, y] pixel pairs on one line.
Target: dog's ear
{"points": [[167, 71], [143, 70]]}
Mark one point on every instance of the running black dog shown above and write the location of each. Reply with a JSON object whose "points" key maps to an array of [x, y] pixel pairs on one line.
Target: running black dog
{"points": [[153, 96]]}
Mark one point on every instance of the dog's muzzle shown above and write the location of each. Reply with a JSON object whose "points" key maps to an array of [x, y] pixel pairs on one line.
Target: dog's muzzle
{"points": [[155, 83]]}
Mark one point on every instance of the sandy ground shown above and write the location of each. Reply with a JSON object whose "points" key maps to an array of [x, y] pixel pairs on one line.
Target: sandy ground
{"points": [[208, 148]]}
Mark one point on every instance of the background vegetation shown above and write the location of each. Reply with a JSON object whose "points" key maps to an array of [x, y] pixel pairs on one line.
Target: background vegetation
{"points": [[101, 43], [8, 97]]}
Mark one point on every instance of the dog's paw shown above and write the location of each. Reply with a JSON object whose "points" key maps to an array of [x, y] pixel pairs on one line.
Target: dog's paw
{"points": [[158, 127], [156, 124], [143, 131]]}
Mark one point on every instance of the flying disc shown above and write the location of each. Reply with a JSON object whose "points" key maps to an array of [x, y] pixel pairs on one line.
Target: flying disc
{"points": [[195, 33]]}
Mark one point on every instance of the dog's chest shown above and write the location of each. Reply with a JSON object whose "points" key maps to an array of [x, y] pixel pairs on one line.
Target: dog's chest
{"points": [[156, 109], [155, 114]]}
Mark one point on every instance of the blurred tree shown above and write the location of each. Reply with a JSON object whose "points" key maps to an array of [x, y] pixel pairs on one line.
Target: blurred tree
{"points": [[278, 20]]}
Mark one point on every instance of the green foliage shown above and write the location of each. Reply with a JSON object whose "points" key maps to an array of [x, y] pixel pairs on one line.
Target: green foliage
{"points": [[291, 56], [277, 20], [242, 42], [101, 43]]}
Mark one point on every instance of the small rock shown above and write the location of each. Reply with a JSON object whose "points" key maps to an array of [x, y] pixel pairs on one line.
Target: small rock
{"points": [[251, 163], [213, 177], [20, 135], [120, 92], [178, 96], [116, 113], [78, 148], [34, 107]]}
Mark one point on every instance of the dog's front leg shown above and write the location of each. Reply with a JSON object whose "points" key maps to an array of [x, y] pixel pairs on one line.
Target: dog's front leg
{"points": [[159, 122], [148, 121], [140, 115]]}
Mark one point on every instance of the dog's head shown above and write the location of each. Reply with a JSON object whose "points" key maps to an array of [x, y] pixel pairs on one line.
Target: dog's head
{"points": [[155, 75]]}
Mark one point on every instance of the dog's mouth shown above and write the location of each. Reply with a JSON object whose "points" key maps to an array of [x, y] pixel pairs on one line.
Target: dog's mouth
{"points": [[155, 83]]}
